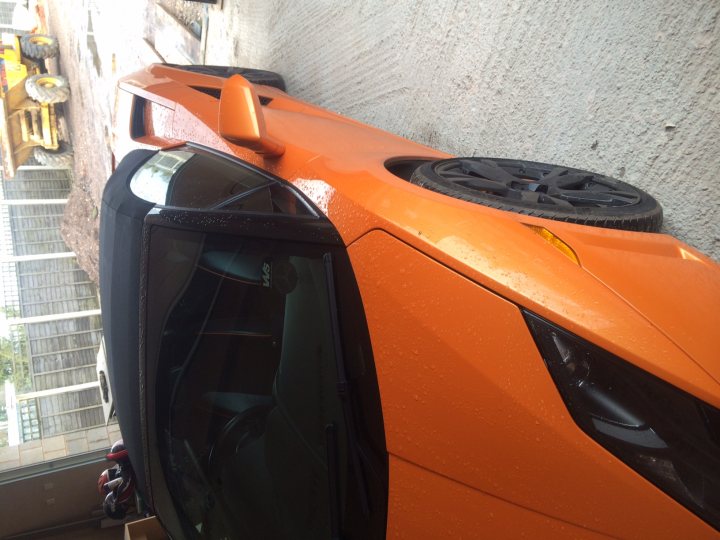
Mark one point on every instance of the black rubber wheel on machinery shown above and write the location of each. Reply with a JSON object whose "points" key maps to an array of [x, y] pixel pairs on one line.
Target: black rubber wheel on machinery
{"points": [[39, 46], [62, 158], [45, 88], [543, 190], [255, 76]]}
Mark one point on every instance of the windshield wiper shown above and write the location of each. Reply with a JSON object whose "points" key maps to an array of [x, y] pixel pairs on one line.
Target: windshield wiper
{"points": [[344, 392], [333, 480]]}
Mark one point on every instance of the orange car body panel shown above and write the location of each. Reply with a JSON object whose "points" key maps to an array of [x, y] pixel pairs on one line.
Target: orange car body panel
{"points": [[473, 379], [426, 505], [442, 308]]}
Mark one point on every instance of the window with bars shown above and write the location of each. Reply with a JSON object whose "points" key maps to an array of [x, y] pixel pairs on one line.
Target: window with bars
{"points": [[29, 421]]}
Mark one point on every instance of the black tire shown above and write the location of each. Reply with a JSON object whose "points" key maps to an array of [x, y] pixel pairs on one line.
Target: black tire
{"points": [[45, 88], [62, 158], [39, 46], [543, 190], [255, 76]]}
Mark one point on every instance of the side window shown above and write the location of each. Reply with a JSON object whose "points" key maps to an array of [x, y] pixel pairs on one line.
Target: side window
{"points": [[247, 404], [192, 178]]}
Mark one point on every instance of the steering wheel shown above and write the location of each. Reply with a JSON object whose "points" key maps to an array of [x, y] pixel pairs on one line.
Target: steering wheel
{"points": [[237, 433]]}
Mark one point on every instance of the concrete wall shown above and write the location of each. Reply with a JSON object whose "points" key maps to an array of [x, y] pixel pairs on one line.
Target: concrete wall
{"points": [[628, 89]]}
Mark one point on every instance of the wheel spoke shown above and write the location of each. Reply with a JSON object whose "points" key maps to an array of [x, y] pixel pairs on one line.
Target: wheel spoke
{"points": [[569, 181], [554, 176], [538, 197], [480, 184], [489, 170], [596, 198]]}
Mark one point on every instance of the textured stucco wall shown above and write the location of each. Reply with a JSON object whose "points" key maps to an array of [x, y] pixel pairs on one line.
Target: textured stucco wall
{"points": [[629, 89]]}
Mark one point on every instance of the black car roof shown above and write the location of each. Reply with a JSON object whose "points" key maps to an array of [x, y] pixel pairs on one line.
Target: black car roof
{"points": [[121, 224]]}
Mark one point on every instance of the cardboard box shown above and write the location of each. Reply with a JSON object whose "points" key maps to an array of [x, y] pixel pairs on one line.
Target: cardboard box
{"points": [[145, 529]]}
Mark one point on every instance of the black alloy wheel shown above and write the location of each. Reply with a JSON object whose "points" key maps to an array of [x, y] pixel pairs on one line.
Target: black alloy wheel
{"points": [[543, 190]]}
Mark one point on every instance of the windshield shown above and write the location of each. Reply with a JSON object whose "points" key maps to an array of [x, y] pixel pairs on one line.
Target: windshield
{"points": [[246, 385]]}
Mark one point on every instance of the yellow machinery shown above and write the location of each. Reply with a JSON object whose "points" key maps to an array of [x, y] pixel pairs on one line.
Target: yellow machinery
{"points": [[28, 120]]}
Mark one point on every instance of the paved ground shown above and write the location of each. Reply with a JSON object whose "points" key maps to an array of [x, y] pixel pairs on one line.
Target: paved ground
{"points": [[629, 91], [96, 46]]}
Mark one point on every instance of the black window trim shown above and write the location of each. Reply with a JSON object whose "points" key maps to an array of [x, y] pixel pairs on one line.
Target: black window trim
{"points": [[297, 228]]}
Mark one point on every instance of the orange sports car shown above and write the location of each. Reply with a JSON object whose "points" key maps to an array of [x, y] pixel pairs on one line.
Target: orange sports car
{"points": [[316, 329]]}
